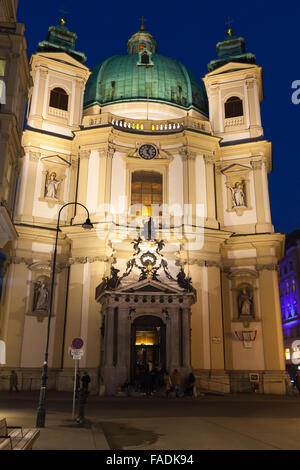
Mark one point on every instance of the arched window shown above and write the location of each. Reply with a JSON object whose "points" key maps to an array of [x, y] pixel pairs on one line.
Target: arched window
{"points": [[142, 46], [146, 191], [134, 50], [145, 58], [59, 99], [233, 107]]}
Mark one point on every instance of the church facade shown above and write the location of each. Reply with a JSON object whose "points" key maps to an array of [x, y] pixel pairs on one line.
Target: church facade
{"points": [[180, 268]]}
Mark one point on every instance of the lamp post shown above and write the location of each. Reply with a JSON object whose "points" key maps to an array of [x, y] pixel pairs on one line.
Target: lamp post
{"points": [[41, 412]]}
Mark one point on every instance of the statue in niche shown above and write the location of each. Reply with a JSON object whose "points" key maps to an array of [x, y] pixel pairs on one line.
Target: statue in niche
{"points": [[245, 303], [41, 297], [52, 185], [238, 195]]}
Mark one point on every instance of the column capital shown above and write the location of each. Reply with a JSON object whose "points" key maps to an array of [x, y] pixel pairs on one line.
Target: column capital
{"points": [[209, 159], [34, 156], [256, 164], [187, 154], [85, 153]]}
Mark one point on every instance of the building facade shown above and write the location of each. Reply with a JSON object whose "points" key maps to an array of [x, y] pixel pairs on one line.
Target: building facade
{"points": [[289, 288], [181, 265], [15, 82]]}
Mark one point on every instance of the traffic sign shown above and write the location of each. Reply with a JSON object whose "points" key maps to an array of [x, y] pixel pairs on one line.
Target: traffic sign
{"points": [[77, 343], [77, 353]]}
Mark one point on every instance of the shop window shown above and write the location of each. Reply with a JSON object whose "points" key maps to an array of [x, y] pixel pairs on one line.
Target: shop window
{"points": [[233, 107], [146, 191], [59, 99]]}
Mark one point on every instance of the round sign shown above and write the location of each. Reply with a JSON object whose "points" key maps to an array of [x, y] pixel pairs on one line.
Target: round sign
{"points": [[77, 343]]}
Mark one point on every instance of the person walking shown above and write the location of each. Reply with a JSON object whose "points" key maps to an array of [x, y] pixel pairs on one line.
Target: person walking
{"points": [[85, 380], [13, 381], [176, 380]]}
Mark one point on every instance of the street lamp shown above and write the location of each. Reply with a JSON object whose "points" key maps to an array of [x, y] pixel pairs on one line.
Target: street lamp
{"points": [[41, 412]]}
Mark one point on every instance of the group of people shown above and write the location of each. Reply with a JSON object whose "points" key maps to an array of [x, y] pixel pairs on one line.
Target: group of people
{"points": [[151, 379], [173, 383]]}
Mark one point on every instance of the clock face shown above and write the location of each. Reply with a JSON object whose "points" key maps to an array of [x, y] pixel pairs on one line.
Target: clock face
{"points": [[147, 151]]}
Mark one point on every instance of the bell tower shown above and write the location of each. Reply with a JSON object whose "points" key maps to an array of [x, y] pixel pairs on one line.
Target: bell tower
{"points": [[235, 90], [59, 75]]}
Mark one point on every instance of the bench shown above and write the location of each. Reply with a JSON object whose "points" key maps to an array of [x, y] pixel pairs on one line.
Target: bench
{"points": [[16, 437]]}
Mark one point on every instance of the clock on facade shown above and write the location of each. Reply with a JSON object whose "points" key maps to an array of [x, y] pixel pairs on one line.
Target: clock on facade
{"points": [[147, 151]]}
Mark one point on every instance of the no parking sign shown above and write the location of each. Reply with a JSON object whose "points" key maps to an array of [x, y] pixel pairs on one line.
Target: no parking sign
{"points": [[76, 349]]}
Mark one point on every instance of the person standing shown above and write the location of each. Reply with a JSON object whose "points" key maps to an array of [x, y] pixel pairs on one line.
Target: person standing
{"points": [[168, 383], [13, 381], [176, 380], [297, 381], [189, 390], [85, 380]]}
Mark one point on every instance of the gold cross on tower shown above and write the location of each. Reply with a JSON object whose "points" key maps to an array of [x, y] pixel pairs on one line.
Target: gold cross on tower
{"points": [[63, 17], [229, 23], [142, 27]]}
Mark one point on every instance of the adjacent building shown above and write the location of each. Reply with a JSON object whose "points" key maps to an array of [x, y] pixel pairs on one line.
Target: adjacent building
{"points": [[15, 82], [289, 289]]}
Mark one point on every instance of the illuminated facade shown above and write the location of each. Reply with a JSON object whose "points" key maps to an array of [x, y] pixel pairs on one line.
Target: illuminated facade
{"points": [[196, 286], [289, 288], [15, 81]]}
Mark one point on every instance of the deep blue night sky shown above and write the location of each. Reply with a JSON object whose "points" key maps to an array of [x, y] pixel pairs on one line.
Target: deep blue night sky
{"points": [[189, 32]]}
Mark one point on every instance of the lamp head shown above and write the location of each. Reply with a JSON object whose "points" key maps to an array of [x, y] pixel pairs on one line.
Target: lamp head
{"points": [[87, 224]]}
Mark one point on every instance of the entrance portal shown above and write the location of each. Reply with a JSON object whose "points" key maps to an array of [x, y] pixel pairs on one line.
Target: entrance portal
{"points": [[148, 344]]}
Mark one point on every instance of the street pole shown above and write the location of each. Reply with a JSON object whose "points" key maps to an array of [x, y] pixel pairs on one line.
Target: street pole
{"points": [[41, 412], [75, 387]]}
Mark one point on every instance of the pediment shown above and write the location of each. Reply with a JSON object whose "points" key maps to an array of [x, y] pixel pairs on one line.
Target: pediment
{"points": [[149, 285], [232, 67], [236, 169], [64, 58], [56, 159]]}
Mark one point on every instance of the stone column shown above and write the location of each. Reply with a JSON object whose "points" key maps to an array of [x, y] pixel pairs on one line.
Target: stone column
{"points": [[186, 337], [174, 346], [274, 377], [105, 173], [73, 323], [124, 346], [215, 317], [168, 343], [29, 188], [219, 195], [210, 192], [262, 226], [82, 184]]}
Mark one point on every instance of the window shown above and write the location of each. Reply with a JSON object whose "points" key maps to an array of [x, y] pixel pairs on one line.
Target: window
{"points": [[145, 58], [146, 190], [233, 107], [134, 50], [59, 99], [287, 354], [142, 46]]}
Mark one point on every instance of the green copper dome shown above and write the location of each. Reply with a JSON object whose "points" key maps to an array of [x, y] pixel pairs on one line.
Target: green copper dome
{"points": [[142, 75]]}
